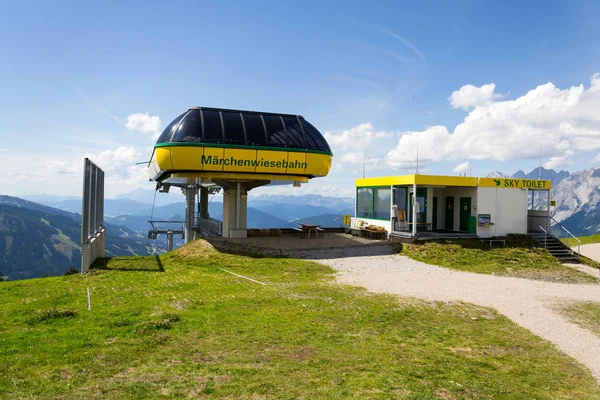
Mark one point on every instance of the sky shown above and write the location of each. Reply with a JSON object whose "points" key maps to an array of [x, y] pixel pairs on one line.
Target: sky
{"points": [[476, 86]]}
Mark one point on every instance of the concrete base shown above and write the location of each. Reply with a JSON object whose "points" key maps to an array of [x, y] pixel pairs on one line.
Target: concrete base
{"points": [[238, 233], [234, 203], [93, 250]]}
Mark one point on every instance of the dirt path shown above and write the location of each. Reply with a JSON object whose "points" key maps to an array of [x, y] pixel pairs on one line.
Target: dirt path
{"points": [[527, 302]]}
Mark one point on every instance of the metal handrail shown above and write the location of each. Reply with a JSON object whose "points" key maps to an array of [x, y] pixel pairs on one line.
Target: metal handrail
{"points": [[545, 236], [573, 236]]}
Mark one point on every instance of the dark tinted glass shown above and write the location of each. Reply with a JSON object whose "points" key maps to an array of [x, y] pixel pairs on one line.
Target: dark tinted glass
{"points": [[190, 128], [213, 132], [295, 137], [315, 138], [255, 131], [275, 131], [165, 136], [234, 130]]}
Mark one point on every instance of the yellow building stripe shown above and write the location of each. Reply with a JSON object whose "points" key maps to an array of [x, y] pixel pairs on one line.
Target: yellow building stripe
{"points": [[233, 162], [456, 181]]}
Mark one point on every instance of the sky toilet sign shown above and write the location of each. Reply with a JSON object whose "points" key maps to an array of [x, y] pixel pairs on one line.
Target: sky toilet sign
{"points": [[511, 183]]}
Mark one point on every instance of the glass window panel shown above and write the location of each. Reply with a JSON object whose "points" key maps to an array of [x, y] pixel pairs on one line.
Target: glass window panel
{"points": [[234, 130], [382, 207], [213, 131], [255, 130], [364, 203], [190, 129], [316, 141], [165, 136], [295, 136], [275, 131], [540, 200]]}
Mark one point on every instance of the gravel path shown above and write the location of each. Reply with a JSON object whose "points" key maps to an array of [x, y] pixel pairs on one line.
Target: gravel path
{"points": [[590, 251], [527, 302]]}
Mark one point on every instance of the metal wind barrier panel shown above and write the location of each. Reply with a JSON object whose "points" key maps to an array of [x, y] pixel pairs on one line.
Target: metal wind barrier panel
{"points": [[93, 233]]}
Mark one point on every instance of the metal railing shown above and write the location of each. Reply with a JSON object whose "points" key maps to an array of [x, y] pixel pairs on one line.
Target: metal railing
{"points": [[545, 236], [573, 236], [162, 227], [210, 226]]}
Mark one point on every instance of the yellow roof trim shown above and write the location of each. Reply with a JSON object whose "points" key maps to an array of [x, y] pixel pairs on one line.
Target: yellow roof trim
{"points": [[456, 181]]}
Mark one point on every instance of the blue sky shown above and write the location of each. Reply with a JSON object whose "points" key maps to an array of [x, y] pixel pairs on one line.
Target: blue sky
{"points": [[378, 74]]}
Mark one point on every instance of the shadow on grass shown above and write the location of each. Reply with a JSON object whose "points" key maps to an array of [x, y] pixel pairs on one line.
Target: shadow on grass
{"points": [[145, 264]]}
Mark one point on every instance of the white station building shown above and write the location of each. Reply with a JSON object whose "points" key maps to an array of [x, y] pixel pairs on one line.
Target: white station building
{"points": [[430, 206]]}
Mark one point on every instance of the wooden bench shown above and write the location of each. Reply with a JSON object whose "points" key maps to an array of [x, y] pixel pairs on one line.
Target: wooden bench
{"points": [[321, 232], [297, 231]]}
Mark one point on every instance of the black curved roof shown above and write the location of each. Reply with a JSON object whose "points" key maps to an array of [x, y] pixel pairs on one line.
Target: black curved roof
{"points": [[204, 125]]}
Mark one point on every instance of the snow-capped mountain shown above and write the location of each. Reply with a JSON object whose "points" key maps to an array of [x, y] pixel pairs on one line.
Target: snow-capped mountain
{"points": [[536, 173], [578, 202], [497, 174]]}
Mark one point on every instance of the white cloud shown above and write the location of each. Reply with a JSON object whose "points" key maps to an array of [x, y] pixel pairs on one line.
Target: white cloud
{"points": [[546, 122], [144, 123], [117, 161], [429, 142], [560, 161], [461, 168], [472, 96], [356, 138], [597, 159], [3, 150]]}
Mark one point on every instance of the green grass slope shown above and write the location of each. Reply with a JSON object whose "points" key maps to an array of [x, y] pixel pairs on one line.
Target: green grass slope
{"points": [[584, 313], [179, 326], [521, 257]]}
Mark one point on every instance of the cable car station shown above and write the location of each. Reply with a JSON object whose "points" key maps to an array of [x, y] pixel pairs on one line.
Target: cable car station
{"points": [[206, 149]]}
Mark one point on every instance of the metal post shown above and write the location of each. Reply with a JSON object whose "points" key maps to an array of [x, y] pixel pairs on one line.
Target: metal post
{"points": [[238, 205], [414, 211], [190, 199], [169, 241]]}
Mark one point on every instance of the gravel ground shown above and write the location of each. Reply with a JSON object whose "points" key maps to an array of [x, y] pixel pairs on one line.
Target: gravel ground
{"points": [[527, 302], [590, 251]]}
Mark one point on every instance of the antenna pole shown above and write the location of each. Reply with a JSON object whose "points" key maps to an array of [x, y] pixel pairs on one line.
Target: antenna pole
{"points": [[417, 153], [364, 160], [541, 158]]}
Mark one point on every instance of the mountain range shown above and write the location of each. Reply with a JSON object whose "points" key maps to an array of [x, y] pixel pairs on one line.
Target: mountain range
{"points": [[37, 240], [577, 197], [43, 239]]}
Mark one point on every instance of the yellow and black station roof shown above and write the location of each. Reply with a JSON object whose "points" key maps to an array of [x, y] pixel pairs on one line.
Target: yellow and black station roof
{"points": [[234, 144]]}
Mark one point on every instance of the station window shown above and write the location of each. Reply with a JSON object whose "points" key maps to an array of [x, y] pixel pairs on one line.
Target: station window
{"points": [[213, 129], [293, 129], [234, 130], [314, 140], [275, 131], [168, 132], [190, 129], [364, 203], [381, 204], [255, 130]]}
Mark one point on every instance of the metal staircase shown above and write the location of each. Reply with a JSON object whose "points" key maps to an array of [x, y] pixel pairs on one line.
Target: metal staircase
{"points": [[555, 247]]}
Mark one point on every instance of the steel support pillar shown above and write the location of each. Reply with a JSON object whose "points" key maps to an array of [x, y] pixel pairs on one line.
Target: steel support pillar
{"points": [[169, 241], [190, 223], [203, 203]]}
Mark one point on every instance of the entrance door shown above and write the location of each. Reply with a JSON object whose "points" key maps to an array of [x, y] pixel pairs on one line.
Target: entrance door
{"points": [[421, 209], [435, 211], [465, 213], [449, 213]]}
